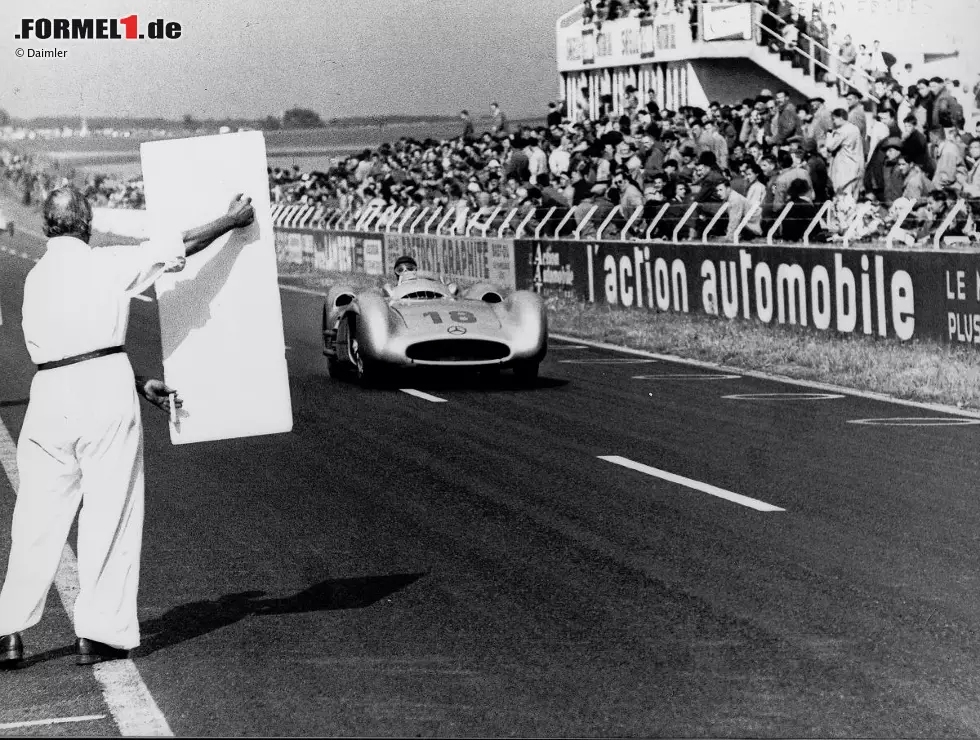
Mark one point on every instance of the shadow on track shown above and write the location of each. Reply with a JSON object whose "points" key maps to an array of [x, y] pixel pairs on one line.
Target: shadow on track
{"points": [[190, 621]]}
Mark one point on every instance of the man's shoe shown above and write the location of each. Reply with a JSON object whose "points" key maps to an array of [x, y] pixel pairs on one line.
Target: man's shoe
{"points": [[90, 651], [11, 651]]}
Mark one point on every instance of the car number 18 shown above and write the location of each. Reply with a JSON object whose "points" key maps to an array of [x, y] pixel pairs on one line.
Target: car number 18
{"points": [[457, 317]]}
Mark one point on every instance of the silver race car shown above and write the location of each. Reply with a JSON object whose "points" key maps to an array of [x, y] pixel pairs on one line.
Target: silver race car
{"points": [[425, 322]]}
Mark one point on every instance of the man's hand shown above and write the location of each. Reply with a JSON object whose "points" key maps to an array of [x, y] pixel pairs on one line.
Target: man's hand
{"points": [[240, 211], [156, 392]]}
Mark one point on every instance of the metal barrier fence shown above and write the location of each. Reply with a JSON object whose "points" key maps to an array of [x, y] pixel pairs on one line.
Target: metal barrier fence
{"points": [[796, 223]]}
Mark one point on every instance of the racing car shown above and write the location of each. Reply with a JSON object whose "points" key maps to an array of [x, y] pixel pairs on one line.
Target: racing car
{"points": [[426, 322]]}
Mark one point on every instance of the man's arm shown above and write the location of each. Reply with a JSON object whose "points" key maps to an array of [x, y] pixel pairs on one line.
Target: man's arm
{"points": [[240, 213]]}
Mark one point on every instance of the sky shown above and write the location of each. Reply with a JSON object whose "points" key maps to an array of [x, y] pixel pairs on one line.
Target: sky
{"points": [[252, 58]]}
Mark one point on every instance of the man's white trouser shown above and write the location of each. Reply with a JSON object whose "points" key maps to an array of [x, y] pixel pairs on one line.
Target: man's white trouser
{"points": [[82, 442]]}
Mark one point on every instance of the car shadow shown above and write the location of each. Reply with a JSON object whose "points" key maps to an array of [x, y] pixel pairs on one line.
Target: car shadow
{"points": [[198, 618]]}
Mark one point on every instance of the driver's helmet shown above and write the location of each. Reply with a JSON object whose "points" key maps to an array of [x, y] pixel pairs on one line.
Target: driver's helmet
{"points": [[406, 268]]}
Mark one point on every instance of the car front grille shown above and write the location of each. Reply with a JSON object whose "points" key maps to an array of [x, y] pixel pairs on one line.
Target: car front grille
{"points": [[457, 350]]}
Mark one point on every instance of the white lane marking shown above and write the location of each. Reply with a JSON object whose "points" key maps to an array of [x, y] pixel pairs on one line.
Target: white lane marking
{"points": [[686, 376], [54, 721], [916, 421], [144, 298], [420, 394], [784, 397], [769, 376], [567, 346], [129, 700], [690, 483], [605, 361], [306, 291]]}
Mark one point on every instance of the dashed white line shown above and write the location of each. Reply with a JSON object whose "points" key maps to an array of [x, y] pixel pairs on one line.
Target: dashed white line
{"points": [[606, 361], [691, 483], [144, 298], [129, 700], [784, 397], [917, 421], [686, 376], [53, 721], [425, 396]]}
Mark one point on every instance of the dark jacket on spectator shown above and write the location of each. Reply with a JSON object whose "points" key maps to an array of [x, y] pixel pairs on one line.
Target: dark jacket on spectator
{"points": [[787, 125], [820, 178], [916, 149], [894, 183]]}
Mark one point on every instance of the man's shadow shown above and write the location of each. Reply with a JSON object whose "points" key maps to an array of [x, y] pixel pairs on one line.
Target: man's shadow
{"points": [[190, 621]]}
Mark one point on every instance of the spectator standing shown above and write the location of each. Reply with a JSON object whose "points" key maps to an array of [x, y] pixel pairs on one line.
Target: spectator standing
{"points": [[846, 145], [820, 35], [738, 208], [845, 68], [877, 66], [786, 126], [554, 115], [971, 180], [915, 146], [821, 124], [916, 185], [537, 159], [857, 115], [816, 167], [862, 70], [469, 132], [582, 105], [892, 178], [949, 157], [560, 158], [498, 121], [924, 105], [946, 109]]}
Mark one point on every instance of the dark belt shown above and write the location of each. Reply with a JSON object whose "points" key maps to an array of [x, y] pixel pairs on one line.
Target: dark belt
{"points": [[94, 354]]}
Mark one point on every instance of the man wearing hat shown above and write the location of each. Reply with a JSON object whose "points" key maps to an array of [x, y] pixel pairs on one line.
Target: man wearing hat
{"points": [[893, 181]]}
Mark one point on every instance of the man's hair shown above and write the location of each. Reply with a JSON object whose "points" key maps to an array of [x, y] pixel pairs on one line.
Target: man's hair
{"points": [[839, 113], [910, 118], [67, 213]]}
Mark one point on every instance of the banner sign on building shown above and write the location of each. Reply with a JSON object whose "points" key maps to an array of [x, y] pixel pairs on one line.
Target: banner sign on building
{"points": [[626, 41], [889, 294], [727, 22]]}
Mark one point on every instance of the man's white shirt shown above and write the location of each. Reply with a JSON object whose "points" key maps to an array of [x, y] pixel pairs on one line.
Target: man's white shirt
{"points": [[76, 298]]}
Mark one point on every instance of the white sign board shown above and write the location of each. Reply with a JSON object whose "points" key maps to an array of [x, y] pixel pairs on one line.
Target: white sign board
{"points": [[221, 317]]}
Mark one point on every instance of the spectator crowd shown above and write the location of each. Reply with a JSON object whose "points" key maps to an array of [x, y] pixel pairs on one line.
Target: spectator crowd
{"points": [[897, 158]]}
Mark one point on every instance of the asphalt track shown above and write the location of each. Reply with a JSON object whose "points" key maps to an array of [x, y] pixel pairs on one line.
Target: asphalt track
{"points": [[396, 566]]}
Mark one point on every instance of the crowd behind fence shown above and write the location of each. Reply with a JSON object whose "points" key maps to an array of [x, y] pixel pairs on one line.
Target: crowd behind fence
{"points": [[797, 222]]}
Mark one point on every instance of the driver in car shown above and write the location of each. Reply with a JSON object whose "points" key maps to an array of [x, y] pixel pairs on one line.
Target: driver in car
{"points": [[406, 268]]}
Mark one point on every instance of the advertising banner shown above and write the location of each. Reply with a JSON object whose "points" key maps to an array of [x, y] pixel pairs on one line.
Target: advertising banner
{"points": [[727, 22], [333, 251], [904, 295], [626, 41], [467, 259]]}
